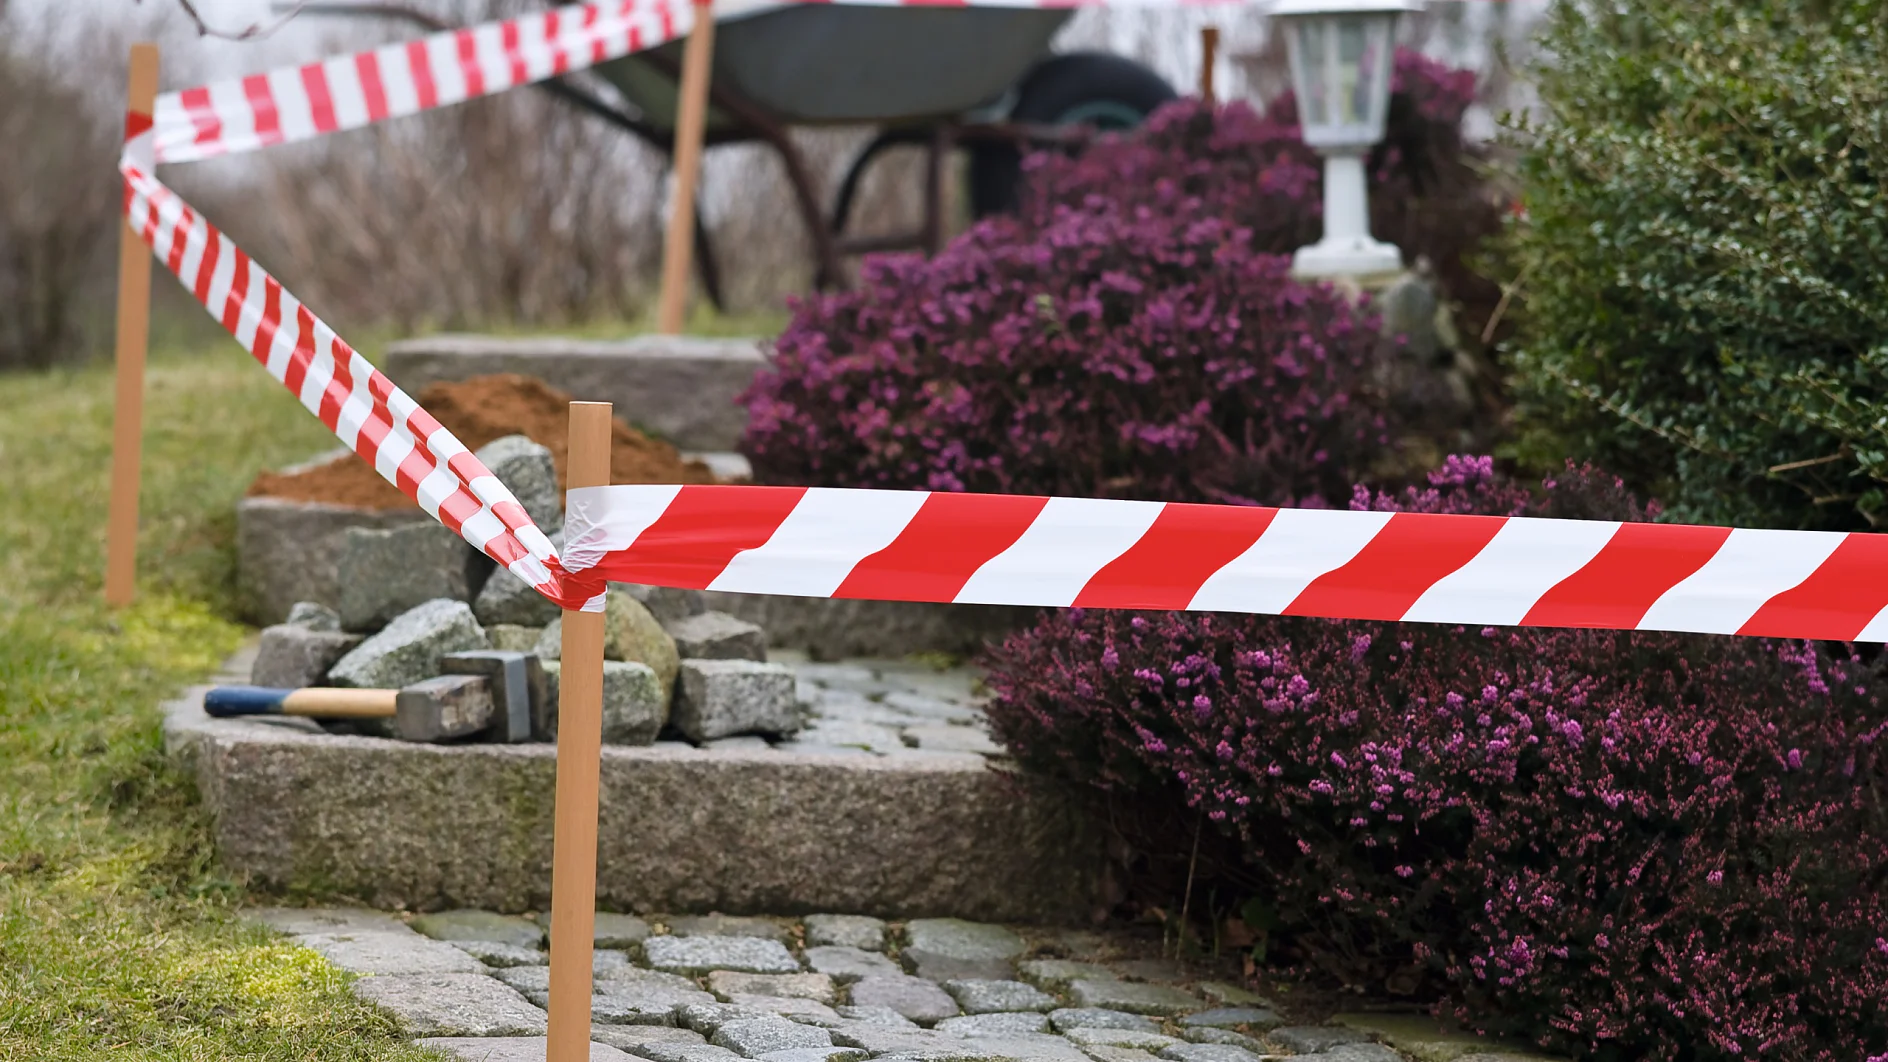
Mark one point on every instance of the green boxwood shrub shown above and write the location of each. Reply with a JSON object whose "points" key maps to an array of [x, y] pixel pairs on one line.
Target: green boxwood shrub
{"points": [[1705, 255]]}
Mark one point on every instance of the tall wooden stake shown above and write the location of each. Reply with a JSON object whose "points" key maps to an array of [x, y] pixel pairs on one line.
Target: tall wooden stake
{"points": [[1209, 47], [579, 749], [690, 119], [134, 324]]}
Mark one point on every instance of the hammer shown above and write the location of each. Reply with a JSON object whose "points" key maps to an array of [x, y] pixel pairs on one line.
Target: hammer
{"points": [[496, 697]]}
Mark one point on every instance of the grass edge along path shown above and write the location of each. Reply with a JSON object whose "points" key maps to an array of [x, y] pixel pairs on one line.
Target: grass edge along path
{"points": [[118, 936]]}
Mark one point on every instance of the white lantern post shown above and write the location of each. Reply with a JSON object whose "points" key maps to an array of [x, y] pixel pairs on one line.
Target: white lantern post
{"points": [[1340, 69]]}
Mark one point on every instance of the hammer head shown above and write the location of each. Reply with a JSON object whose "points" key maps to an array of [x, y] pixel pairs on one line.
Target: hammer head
{"points": [[444, 708], [517, 683]]}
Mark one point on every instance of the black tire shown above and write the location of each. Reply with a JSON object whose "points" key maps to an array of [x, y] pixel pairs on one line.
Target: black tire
{"points": [[1080, 88]]}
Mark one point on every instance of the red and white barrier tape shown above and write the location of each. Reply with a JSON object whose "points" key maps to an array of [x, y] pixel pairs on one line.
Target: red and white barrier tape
{"points": [[1016, 550]]}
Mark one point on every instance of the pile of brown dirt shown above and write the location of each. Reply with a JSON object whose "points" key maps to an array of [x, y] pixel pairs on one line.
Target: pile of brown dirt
{"points": [[478, 411]]}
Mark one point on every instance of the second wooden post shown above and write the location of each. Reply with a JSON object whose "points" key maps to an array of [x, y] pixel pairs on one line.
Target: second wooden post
{"points": [[691, 117], [579, 751]]}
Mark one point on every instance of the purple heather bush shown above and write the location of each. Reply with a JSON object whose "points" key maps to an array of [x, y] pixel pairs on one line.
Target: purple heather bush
{"points": [[1144, 351], [1623, 845], [1428, 191]]}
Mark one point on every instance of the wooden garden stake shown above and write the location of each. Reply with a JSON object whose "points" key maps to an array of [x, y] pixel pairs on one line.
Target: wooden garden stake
{"points": [[134, 322], [579, 749], [1209, 47], [690, 119]]}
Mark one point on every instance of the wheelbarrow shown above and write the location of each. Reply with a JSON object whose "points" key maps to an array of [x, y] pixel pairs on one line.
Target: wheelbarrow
{"points": [[980, 78]]}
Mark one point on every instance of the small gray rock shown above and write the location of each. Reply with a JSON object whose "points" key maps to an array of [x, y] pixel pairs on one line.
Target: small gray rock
{"points": [[379, 952], [1143, 1041], [384, 572], [815, 1054], [1230, 1017], [630, 1037], [698, 955], [1368, 1053], [720, 925], [721, 698], [314, 616], [507, 599], [717, 636], [634, 707], [754, 1037], [1098, 1018], [1311, 1039], [480, 925], [1057, 973], [1134, 998], [409, 648], [846, 965], [666, 603], [845, 931], [526, 469], [1223, 1036], [492, 953], [451, 1005], [512, 638], [291, 656], [914, 997], [872, 1015], [994, 1024], [814, 986], [1207, 1053], [994, 997]]}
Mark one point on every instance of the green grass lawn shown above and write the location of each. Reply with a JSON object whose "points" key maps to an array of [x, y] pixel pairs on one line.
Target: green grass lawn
{"points": [[117, 932]]}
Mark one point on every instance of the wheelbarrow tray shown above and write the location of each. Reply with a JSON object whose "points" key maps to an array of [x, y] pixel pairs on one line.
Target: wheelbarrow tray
{"points": [[822, 64]]}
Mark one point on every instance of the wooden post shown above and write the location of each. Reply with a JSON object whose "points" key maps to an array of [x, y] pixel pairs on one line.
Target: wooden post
{"points": [[579, 749], [134, 324], [690, 119], [1209, 47]]}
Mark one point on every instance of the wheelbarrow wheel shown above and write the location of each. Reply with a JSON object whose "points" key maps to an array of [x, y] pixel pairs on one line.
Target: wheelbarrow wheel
{"points": [[1080, 88]]}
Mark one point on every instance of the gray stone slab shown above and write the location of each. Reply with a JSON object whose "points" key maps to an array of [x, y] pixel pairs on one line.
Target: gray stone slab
{"points": [[754, 1037], [1134, 998], [1106, 1053], [956, 938], [807, 1011], [1214, 1053], [526, 469], [994, 1024], [509, 1049], [498, 955], [920, 1000], [992, 997], [1142, 1041], [408, 649], [722, 698], [875, 1015], [1233, 1017], [1100, 1018], [698, 955], [814, 986], [384, 572], [473, 924], [1311, 1039], [846, 965], [451, 1004], [720, 925], [388, 951], [845, 931], [290, 656], [1209, 1035], [299, 920], [717, 636], [1057, 973], [815, 1054], [360, 817], [630, 1037], [287, 551]]}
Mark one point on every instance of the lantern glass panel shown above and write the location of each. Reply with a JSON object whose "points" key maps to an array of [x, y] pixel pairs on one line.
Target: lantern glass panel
{"points": [[1341, 68]]}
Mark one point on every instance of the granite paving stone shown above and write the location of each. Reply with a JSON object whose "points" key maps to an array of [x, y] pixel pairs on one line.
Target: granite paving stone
{"points": [[480, 925], [619, 930], [1110, 1053], [492, 953], [810, 1011], [390, 951], [754, 1037], [705, 1018], [890, 1039], [408, 649], [606, 961], [920, 1000], [1421, 1035], [630, 1037], [647, 978], [451, 1005], [1164, 971], [815, 1054], [1023, 1047], [719, 925], [1207, 1053], [845, 931], [1232, 1017], [845, 964], [941, 968], [1100, 1018], [1360, 1053], [1311, 1039], [1134, 998], [958, 939], [991, 997], [509, 1049], [947, 738], [1057, 973], [698, 955], [1225, 995], [815, 986], [620, 996], [995, 1024], [301, 920], [673, 1052], [1209, 1035], [871, 1015], [1145, 1041]]}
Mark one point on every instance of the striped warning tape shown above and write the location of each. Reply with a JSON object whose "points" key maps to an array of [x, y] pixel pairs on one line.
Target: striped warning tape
{"points": [[1018, 550]]}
